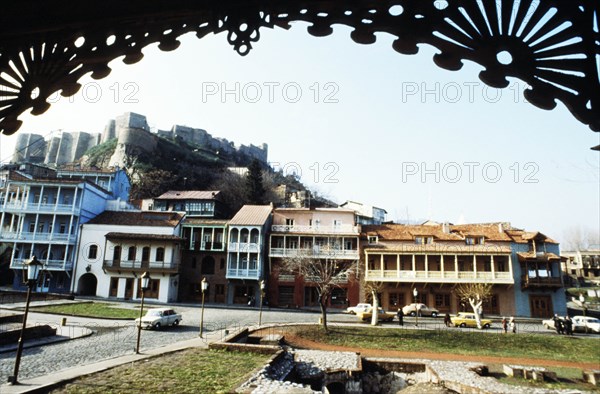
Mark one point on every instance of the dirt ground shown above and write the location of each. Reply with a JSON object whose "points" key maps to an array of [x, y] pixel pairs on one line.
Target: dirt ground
{"points": [[303, 343]]}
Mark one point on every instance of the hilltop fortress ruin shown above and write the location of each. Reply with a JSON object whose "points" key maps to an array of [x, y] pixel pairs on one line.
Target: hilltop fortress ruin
{"points": [[133, 136]]}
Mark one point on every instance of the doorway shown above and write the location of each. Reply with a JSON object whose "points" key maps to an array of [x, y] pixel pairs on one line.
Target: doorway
{"points": [[541, 306]]}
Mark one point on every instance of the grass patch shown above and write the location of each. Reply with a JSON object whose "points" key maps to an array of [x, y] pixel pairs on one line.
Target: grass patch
{"points": [[523, 345], [189, 371], [91, 309]]}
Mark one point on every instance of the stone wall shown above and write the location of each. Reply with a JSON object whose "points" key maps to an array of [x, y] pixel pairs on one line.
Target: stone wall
{"points": [[29, 148]]}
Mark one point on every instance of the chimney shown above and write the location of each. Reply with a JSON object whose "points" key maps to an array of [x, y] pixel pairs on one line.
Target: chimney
{"points": [[446, 228]]}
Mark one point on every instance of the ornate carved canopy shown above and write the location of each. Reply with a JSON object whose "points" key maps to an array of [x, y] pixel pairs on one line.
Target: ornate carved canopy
{"points": [[553, 45]]}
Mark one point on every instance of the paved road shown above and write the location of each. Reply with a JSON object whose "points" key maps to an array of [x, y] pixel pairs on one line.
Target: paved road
{"points": [[114, 338]]}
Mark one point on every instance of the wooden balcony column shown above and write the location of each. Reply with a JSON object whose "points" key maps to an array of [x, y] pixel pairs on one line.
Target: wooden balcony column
{"points": [[492, 266], [366, 264], [57, 197], [414, 263], [456, 265], [475, 265], [510, 268], [442, 265], [381, 263], [398, 265], [426, 266]]}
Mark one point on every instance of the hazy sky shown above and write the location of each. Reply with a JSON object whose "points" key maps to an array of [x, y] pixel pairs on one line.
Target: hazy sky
{"points": [[361, 123]]}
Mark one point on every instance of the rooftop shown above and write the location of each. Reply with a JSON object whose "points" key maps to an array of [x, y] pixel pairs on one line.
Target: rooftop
{"points": [[252, 215], [138, 218]]}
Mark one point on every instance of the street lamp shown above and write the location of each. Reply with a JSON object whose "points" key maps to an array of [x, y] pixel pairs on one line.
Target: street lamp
{"points": [[204, 285], [145, 284], [262, 294], [415, 294], [33, 270], [582, 300]]}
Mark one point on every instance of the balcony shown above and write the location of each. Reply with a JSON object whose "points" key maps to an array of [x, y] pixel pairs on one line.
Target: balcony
{"points": [[439, 277], [13, 236], [26, 207], [240, 273], [243, 247], [320, 253], [341, 229], [140, 266], [49, 265], [549, 282], [206, 246]]}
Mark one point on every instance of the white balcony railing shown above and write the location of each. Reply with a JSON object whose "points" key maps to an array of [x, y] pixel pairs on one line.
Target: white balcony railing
{"points": [[315, 252], [50, 265], [242, 247], [440, 277], [238, 273], [42, 237], [35, 207], [341, 229], [142, 265]]}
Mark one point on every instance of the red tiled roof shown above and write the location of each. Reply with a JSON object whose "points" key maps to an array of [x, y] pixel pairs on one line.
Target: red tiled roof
{"points": [[149, 237], [189, 195], [251, 215], [138, 218]]}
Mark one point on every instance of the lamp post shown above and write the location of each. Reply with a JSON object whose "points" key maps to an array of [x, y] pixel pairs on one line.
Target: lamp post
{"points": [[582, 300], [33, 269], [415, 294], [204, 285], [262, 294], [145, 283]]}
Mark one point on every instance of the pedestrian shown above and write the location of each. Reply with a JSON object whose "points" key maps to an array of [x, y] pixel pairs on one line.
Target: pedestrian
{"points": [[568, 325], [400, 317], [504, 324], [560, 326], [557, 323], [513, 325], [447, 320]]}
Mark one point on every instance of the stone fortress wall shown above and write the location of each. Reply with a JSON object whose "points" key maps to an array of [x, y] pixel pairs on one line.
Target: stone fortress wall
{"points": [[133, 136]]}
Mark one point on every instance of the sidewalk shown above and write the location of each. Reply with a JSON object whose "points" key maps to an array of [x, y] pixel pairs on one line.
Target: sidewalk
{"points": [[42, 384]]}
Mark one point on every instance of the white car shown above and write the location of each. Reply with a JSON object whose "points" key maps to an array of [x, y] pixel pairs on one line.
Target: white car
{"points": [[354, 310], [159, 317], [582, 322]]}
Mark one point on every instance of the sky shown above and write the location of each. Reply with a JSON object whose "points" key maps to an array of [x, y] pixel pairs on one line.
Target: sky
{"points": [[361, 123]]}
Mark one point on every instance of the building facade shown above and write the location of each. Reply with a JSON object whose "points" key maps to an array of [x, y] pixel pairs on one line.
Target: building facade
{"points": [[312, 234], [246, 253], [523, 268], [42, 218], [117, 247]]}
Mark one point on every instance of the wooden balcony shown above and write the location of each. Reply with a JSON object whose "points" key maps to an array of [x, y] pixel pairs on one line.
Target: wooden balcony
{"points": [[161, 267], [549, 282], [439, 276]]}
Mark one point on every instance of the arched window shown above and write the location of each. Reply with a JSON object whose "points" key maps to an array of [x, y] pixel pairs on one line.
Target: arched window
{"points": [[146, 254], [93, 252], [208, 265], [131, 253], [160, 254]]}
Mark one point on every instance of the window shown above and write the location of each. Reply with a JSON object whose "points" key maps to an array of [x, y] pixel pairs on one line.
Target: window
{"points": [[31, 227], [146, 254], [208, 265], [93, 252], [117, 253], [131, 253], [62, 228], [289, 222], [160, 254], [67, 200], [373, 239], [423, 240], [474, 240]]}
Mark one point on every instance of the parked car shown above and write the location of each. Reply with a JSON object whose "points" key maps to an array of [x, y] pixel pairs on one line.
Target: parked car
{"points": [[358, 308], [465, 319], [159, 317], [424, 310], [580, 323], [383, 315]]}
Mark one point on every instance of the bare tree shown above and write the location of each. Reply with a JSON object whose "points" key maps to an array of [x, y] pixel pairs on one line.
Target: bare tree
{"points": [[476, 294], [371, 291], [324, 268], [580, 238]]}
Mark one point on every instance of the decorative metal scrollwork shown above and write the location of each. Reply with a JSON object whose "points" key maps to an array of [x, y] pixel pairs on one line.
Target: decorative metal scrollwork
{"points": [[552, 45]]}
